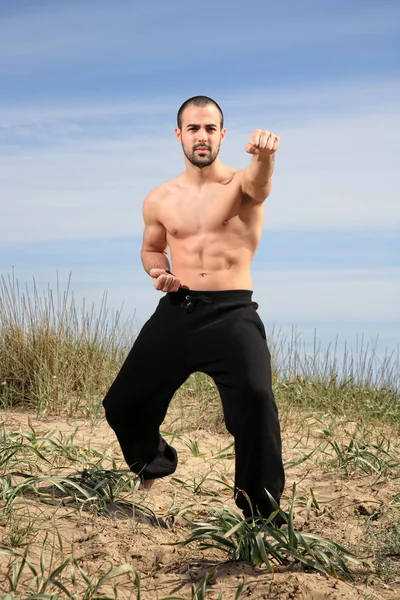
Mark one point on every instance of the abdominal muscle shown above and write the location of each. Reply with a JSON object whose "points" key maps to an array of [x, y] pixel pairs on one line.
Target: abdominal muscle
{"points": [[211, 266]]}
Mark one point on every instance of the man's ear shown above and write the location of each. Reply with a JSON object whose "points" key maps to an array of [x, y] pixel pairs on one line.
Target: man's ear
{"points": [[223, 134], [178, 134]]}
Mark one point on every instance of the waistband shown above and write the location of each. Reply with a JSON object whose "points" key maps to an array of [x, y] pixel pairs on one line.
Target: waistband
{"points": [[190, 299], [213, 295]]}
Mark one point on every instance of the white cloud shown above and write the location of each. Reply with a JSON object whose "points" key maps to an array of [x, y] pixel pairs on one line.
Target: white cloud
{"points": [[377, 96], [332, 171], [365, 294], [57, 34], [347, 303], [335, 173], [290, 295]]}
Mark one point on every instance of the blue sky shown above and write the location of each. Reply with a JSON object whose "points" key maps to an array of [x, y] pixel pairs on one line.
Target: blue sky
{"points": [[89, 94]]}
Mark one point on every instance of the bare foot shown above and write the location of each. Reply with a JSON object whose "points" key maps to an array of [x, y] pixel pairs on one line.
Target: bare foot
{"points": [[147, 484]]}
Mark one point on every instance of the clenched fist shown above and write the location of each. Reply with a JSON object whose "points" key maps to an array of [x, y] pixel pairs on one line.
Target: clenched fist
{"points": [[164, 281], [262, 142]]}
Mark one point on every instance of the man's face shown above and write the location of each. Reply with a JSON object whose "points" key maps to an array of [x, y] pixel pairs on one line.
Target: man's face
{"points": [[201, 134]]}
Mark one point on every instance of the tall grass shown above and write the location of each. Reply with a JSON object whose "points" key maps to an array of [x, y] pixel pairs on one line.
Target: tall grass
{"points": [[357, 383], [53, 353], [58, 356], [362, 366]]}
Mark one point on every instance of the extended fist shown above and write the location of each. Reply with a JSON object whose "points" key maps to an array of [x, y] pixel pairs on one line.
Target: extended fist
{"points": [[262, 142], [164, 281]]}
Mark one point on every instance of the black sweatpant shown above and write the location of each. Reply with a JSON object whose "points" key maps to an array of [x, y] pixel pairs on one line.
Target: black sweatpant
{"points": [[221, 334]]}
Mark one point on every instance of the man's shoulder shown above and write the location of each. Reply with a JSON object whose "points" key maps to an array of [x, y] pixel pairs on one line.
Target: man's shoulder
{"points": [[161, 191], [230, 175]]}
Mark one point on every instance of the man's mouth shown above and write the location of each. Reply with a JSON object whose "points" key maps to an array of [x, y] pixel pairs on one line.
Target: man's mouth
{"points": [[202, 149]]}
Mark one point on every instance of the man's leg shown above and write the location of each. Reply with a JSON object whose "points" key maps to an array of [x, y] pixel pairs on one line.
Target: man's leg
{"points": [[241, 368], [138, 399], [257, 446]]}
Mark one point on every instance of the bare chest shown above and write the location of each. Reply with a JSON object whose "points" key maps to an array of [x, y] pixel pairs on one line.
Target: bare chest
{"points": [[212, 210]]}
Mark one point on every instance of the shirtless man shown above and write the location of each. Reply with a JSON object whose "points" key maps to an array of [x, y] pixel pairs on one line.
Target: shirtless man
{"points": [[210, 217]]}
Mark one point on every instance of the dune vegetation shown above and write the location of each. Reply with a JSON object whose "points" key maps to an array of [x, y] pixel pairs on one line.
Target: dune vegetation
{"points": [[74, 522]]}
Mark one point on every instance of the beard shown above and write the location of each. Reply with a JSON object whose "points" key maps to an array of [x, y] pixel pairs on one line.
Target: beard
{"points": [[201, 159]]}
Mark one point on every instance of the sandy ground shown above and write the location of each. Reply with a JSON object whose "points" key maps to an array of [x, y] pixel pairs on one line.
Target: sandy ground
{"points": [[129, 536]]}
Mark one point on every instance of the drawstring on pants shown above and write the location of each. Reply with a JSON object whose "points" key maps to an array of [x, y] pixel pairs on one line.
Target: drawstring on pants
{"points": [[190, 302]]}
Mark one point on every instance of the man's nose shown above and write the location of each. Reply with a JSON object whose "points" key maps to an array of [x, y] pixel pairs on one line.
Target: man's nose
{"points": [[202, 135]]}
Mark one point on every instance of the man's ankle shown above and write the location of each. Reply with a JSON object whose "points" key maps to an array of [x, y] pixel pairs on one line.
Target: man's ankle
{"points": [[146, 484]]}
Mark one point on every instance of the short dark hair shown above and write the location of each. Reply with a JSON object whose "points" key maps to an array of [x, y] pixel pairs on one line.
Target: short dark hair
{"points": [[198, 101]]}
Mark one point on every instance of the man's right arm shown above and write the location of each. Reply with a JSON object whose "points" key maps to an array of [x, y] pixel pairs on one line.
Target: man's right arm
{"points": [[154, 253], [154, 248]]}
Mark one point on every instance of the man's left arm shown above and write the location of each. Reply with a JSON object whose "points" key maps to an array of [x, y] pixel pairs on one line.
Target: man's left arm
{"points": [[257, 178]]}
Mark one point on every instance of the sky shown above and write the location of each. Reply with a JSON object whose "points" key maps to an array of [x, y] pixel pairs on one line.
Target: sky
{"points": [[88, 98]]}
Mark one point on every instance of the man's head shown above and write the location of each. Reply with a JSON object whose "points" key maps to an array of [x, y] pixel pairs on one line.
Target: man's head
{"points": [[200, 130], [201, 101]]}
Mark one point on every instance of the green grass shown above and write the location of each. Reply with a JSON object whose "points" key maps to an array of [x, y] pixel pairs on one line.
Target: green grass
{"points": [[199, 591], [57, 358], [386, 547], [357, 401], [53, 578], [32, 451], [361, 450], [54, 355], [256, 541]]}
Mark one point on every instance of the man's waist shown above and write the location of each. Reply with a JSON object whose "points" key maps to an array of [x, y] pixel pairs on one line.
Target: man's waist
{"points": [[185, 296]]}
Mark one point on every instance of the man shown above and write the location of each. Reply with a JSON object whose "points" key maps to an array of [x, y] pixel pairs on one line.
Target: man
{"points": [[210, 217]]}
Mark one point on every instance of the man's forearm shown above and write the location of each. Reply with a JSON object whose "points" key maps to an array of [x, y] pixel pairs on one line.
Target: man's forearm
{"points": [[155, 260], [262, 168]]}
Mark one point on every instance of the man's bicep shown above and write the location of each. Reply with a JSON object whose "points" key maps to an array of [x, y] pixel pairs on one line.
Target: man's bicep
{"points": [[154, 238], [252, 189], [154, 234]]}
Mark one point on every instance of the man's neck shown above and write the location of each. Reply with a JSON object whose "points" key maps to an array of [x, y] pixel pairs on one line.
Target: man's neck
{"points": [[200, 175]]}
